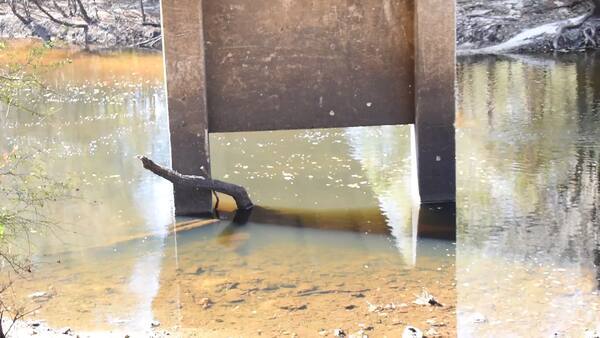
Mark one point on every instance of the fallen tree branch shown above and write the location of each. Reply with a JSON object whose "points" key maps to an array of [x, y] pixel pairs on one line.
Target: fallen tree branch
{"points": [[150, 42], [551, 31], [239, 194], [85, 27], [84, 14], [13, 7]]}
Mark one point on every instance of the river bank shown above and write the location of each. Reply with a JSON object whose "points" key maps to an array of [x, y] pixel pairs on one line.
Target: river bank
{"points": [[531, 26], [483, 27], [98, 24]]}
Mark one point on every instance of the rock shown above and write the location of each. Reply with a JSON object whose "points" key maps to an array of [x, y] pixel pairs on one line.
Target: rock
{"points": [[206, 303], [358, 334], [323, 332], [433, 322], [373, 307], [425, 298], [155, 323], [235, 301], [390, 306], [294, 307], [366, 327], [307, 289], [432, 333], [66, 330], [412, 332], [350, 307], [270, 287], [339, 333], [227, 286], [40, 296]]}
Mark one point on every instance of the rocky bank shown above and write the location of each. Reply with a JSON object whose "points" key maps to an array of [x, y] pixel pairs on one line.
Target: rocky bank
{"points": [[101, 23], [483, 26], [510, 26]]}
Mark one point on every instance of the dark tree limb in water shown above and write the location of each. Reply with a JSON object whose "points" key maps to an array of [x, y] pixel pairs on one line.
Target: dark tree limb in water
{"points": [[239, 194]]}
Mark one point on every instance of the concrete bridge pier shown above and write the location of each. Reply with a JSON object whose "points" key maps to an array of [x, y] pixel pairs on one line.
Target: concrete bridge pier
{"points": [[435, 70], [185, 70], [397, 55]]}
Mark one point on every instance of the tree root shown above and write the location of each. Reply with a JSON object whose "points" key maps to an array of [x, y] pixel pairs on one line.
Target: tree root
{"points": [[239, 194], [589, 32]]}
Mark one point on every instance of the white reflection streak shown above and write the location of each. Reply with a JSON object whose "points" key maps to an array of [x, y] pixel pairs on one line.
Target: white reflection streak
{"points": [[414, 192], [144, 281], [390, 196], [154, 199]]}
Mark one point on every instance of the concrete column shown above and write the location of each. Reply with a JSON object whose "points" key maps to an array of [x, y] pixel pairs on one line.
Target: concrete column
{"points": [[183, 35], [435, 64]]}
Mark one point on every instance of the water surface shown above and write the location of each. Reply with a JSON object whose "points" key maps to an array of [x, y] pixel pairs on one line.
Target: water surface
{"points": [[529, 195], [334, 243]]}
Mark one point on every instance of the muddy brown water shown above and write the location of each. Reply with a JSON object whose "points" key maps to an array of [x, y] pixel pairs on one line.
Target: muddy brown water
{"points": [[339, 240]]}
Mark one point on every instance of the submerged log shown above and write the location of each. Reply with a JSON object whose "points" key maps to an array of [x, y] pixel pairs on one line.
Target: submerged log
{"points": [[239, 194]]}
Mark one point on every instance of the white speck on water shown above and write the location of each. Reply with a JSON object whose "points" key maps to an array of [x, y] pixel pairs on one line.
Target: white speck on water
{"points": [[331, 113], [438, 158], [369, 104]]}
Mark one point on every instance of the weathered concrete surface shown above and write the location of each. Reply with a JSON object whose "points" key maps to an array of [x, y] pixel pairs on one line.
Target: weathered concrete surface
{"points": [[435, 64], [186, 86], [306, 64], [275, 64]]}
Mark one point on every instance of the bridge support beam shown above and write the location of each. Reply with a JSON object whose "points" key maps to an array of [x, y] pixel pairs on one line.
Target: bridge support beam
{"points": [[271, 79], [435, 64], [186, 86]]}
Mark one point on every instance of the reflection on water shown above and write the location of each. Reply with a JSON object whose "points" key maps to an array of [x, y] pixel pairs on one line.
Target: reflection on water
{"points": [[337, 240], [98, 113], [529, 196]]}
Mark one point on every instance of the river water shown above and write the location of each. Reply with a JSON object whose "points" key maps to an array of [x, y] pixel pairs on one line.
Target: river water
{"points": [[528, 256], [339, 240]]}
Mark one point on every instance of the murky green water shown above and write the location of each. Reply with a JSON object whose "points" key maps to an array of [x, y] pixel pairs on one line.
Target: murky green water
{"points": [[338, 226]]}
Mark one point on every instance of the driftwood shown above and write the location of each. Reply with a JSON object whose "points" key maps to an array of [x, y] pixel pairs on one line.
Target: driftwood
{"points": [[239, 194]]}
